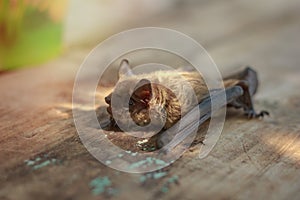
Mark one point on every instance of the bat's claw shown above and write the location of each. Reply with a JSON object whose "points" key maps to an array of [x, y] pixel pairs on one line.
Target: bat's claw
{"points": [[263, 113], [252, 114]]}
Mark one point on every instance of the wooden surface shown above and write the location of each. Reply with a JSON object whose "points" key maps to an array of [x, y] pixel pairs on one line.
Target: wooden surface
{"points": [[42, 157]]}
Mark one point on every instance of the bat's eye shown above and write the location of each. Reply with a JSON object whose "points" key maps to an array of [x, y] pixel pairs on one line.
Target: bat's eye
{"points": [[131, 102]]}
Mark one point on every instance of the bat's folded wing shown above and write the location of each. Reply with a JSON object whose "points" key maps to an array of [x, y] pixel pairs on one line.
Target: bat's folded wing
{"points": [[191, 121]]}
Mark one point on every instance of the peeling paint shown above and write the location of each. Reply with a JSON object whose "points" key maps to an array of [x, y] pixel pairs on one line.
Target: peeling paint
{"points": [[152, 175], [43, 164], [101, 185], [166, 186], [37, 164], [147, 162], [159, 175]]}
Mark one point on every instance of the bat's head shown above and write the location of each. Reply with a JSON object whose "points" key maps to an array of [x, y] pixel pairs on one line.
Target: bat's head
{"points": [[130, 99], [157, 97]]}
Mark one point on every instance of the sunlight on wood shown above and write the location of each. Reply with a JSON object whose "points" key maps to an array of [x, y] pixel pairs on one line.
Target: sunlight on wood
{"points": [[76, 106], [286, 145]]}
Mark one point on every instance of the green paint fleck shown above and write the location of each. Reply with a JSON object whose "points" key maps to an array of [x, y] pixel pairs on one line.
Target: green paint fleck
{"points": [[137, 164], [158, 175], [128, 151], [37, 159], [166, 186], [43, 164], [164, 189], [143, 179], [134, 154], [29, 162], [36, 164], [120, 155], [98, 184], [173, 179], [108, 162], [153, 175], [160, 162], [149, 160]]}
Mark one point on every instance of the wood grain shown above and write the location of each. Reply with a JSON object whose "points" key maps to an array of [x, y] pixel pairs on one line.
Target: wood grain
{"points": [[253, 159]]}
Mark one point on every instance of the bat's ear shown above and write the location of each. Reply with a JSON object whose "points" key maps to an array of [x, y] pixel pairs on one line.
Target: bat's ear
{"points": [[125, 69], [143, 90]]}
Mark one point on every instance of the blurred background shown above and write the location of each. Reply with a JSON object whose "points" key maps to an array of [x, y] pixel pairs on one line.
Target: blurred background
{"points": [[30, 31], [34, 31]]}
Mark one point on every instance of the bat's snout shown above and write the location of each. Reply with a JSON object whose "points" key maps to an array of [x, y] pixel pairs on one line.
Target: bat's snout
{"points": [[108, 99]]}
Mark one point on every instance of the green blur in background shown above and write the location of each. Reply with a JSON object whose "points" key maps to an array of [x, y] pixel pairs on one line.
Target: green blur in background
{"points": [[30, 31]]}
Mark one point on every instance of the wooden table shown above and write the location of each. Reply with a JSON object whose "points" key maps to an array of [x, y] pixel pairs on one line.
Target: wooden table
{"points": [[42, 157]]}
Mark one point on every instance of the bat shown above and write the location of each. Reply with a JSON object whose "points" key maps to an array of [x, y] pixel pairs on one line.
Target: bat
{"points": [[146, 95]]}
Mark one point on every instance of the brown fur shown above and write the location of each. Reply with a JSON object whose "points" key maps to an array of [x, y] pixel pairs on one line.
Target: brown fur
{"points": [[167, 95]]}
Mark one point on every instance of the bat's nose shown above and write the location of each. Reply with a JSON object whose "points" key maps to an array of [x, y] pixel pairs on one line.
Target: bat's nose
{"points": [[107, 99]]}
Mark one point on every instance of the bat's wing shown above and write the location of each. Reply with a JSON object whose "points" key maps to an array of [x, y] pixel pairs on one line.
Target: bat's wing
{"points": [[190, 122], [248, 81], [248, 74]]}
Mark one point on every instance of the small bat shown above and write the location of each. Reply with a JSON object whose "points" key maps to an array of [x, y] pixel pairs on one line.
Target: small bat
{"points": [[164, 94]]}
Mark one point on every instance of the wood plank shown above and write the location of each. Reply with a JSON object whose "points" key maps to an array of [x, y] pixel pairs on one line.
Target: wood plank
{"points": [[253, 159]]}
